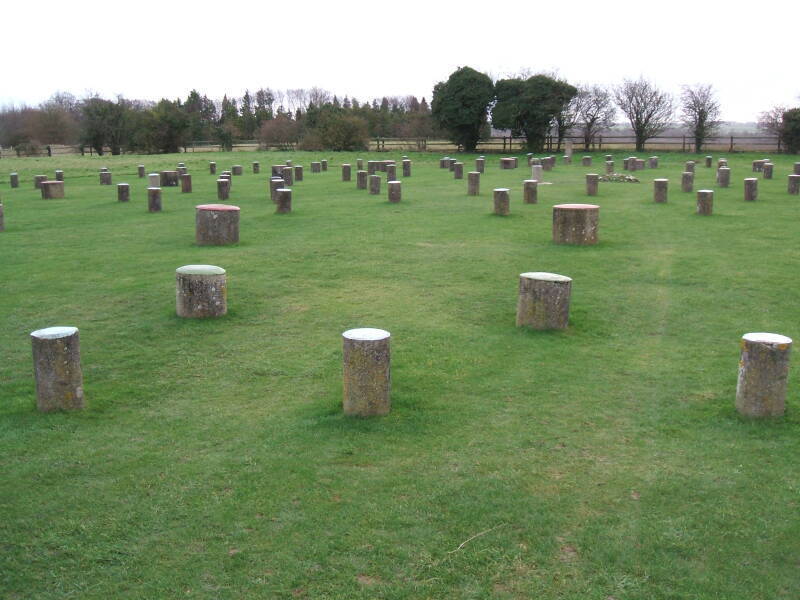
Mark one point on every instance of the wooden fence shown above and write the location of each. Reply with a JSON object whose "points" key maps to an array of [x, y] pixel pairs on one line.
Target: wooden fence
{"points": [[499, 145]]}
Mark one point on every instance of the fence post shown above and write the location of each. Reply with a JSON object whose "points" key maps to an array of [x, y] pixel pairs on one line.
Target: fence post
{"points": [[600, 142], [684, 144], [731, 148]]}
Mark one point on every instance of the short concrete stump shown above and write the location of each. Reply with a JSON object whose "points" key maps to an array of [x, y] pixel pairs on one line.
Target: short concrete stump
{"points": [[283, 201], [186, 183], [361, 179], [256, 167], [105, 178], [57, 369], [576, 224], [324, 164], [794, 184], [763, 372], [689, 166], [38, 180], [359, 164], [237, 170], [212, 168], [660, 188], [201, 291], [767, 170], [277, 170], [751, 189], [372, 167], [59, 175], [316, 167], [724, 177], [52, 190], [391, 172], [346, 172], [795, 168], [709, 159], [592, 183], [216, 224], [506, 163], [537, 172], [458, 170], [140, 171], [374, 184], [586, 161], [406, 167], [640, 164], [224, 189], [543, 301], [366, 372], [609, 167], [530, 191], [653, 162], [473, 183], [705, 202], [153, 180], [298, 173], [13, 179], [154, 199], [444, 163], [123, 192], [502, 204], [480, 165], [395, 191], [169, 178], [288, 175]]}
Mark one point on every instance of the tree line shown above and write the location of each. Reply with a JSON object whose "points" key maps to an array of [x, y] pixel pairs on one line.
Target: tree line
{"points": [[463, 109]]}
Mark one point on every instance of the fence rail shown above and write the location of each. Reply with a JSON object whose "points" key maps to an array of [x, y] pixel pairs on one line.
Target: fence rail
{"points": [[497, 144]]}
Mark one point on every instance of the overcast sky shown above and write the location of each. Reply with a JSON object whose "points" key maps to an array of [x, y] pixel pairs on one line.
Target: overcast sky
{"points": [[142, 49]]}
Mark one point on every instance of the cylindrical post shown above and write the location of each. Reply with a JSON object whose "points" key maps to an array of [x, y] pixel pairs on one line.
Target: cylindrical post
{"points": [[374, 184], [105, 178], [216, 224], [501, 202], [458, 170], [123, 192], [14, 180], [38, 180], [59, 175], [154, 199], [182, 170], [626, 164], [705, 202], [366, 372], [576, 224], [722, 162], [592, 182], [201, 291], [689, 166], [474, 183], [140, 171], [212, 168], [283, 201], [640, 166], [57, 369], [372, 167], [586, 161], [653, 160], [391, 172], [277, 170], [406, 167], [52, 190], [543, 301], [687, 181], [359, 164], [530, 191], [237, 170], [394, 188], [444, 162], [275, 183], [750, 189], [169, 178], [767, 170], [324, 164], [609, 167], [763, 372], [153, 180], [757, 166], [288, 176], [724, 177], [186, 183], [452, 164], [298, 173], [480, 165], [660, 190], [345, 172], [708, 161], [223, 189], [288, 162], [794, 184], [361, 180], [536, 172], [316, 166], [256, 167]]}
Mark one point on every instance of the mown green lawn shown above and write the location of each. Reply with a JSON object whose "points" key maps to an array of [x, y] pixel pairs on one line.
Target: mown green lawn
{"points": [[213, 461]]}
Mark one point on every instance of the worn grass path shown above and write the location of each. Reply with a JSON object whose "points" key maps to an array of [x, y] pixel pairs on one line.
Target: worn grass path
{"points": [[213, 461]]}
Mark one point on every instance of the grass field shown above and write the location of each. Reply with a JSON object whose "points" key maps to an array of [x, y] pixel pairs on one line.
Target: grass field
{"points": [[213, 461]]}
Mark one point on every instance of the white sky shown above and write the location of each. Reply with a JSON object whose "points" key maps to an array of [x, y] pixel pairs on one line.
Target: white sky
{"points": [[366, 48]]}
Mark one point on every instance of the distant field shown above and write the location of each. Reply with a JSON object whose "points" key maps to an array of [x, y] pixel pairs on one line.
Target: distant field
{"points": [[213, 461]]}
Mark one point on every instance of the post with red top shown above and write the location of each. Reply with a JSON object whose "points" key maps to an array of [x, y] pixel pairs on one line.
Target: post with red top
{"points": [[216, 224]]}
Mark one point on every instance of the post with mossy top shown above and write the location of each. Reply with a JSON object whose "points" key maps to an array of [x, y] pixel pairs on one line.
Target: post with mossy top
{"points": [[366, 372], [57, 369], [201, 291], [543, 301]]}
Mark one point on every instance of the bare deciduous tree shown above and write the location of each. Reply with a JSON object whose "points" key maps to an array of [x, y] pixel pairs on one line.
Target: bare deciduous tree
{"points": [[700, 113], [595, 111], [771, 121], [648, 109]]}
